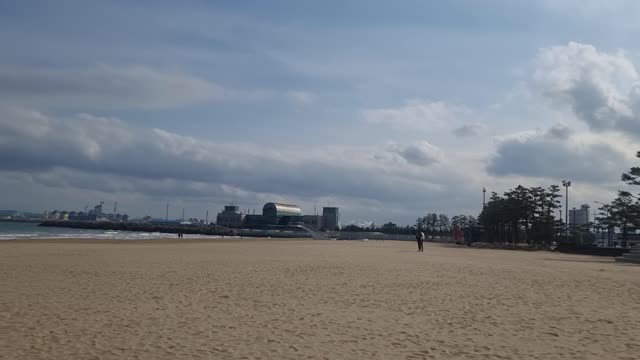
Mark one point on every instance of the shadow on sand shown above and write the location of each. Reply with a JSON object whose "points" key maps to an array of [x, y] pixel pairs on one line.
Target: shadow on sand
{"points": [[589, 259]]}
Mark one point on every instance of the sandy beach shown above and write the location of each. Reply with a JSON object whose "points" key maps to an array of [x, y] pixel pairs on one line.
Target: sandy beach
{"points": [[305, 299]]}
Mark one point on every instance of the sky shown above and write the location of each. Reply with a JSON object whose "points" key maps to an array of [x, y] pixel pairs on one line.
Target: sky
{"points": [[386, 109]]}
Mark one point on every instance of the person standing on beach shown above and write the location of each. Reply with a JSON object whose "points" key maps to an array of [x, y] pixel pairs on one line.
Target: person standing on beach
{"points": [[420, 239]]}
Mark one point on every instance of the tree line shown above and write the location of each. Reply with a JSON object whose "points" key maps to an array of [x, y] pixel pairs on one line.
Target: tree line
{"points": [[528, 214], [623, 213], [430, 224], [388, 228], [440, 224], [523, 215]]}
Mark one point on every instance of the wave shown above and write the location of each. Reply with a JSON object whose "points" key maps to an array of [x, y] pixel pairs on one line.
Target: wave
{"points": [[106, 235], [20, 231]]}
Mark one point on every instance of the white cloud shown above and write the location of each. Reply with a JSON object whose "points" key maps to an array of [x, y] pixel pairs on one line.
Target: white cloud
{"points": [[416, 115], [602, 90]]}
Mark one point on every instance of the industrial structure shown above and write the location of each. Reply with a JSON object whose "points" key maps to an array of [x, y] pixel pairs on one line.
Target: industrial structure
{"points": [[278, 215], [230, 217]]}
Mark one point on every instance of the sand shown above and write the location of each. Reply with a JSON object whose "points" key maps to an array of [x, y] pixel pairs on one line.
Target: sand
{"points": [[306, 299]]}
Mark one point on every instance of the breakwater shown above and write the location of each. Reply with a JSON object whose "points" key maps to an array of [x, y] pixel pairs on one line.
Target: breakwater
{"points": [[193, 229]]}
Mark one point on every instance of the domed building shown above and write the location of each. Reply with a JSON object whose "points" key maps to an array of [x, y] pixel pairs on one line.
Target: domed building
{"points": [[275, 214]]}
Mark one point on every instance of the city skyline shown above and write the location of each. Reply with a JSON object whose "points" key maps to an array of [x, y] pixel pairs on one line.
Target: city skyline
{"points": [[385, 110], [210, 213]]}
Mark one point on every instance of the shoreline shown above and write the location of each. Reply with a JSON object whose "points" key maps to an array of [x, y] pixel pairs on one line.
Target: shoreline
{"points": [[165, 240]]}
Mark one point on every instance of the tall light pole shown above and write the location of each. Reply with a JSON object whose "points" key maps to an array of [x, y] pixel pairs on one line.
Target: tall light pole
{"points": [[484, 194], [566, 184]]}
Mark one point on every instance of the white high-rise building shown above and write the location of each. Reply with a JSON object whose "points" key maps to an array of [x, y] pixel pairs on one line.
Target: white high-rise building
{"points": [[579, 216]]}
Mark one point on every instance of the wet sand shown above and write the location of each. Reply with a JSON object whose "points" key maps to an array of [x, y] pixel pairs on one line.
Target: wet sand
{"points": [[305, 299]]}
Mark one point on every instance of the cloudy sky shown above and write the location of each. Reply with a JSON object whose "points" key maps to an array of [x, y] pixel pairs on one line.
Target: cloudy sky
{"points": [[387, 109]]}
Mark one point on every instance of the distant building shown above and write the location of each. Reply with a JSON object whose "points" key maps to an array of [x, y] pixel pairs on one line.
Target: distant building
{"points": [[54, 215], [580, 216], [330, 218], [313, 220], [81, 216], [120, 217], [64, 215], [10, 214], [230, 217], [98, 210], [255, 221]]}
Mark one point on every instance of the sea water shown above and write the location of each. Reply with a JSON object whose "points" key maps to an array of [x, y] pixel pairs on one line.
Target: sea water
{"points": [[18, 230]]}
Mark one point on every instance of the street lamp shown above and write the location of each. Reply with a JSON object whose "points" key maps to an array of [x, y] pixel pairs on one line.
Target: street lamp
{"points": [[484, 193], [566, 184]]}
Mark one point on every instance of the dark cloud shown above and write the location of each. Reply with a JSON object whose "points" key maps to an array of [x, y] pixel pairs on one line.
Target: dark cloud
{"points": [[561, 132], [421, 153], [468, 130], [550, 155]]}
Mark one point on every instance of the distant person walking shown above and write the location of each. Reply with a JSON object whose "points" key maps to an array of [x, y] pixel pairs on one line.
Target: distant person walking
{"points": [[420, 240]]}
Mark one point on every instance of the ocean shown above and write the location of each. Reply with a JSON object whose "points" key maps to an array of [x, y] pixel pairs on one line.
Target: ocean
{"points": [[17, 230]]}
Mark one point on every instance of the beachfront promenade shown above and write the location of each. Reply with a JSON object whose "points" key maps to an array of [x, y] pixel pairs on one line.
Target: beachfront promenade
{"points": [[295, 299]]}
